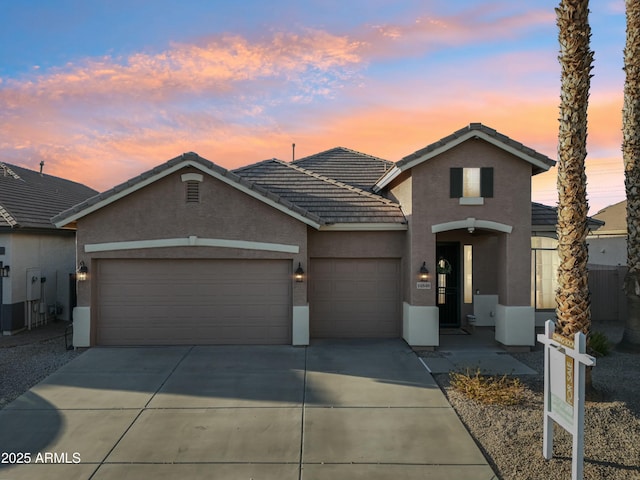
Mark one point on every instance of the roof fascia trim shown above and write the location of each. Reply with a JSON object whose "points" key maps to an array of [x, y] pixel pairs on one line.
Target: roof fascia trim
{"points": [[4, 213], [457, 141], [364, 227], [164, 173], [191, 241], [387, 178]]}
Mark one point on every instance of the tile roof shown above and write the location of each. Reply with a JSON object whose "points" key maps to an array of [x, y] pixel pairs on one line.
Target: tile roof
{"points": [[491, 133], [331, 200], [544, 218], [347, 166], [190, 158], [614, 218], [29, 199]]}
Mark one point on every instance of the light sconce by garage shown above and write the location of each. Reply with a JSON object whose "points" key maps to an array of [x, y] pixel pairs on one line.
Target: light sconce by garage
{"points": [[424, 272], [299, 273], [82, 272], [4, 271]]}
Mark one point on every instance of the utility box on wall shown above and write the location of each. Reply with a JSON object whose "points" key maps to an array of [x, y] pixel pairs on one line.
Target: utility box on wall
{"points": [[33, 284]]}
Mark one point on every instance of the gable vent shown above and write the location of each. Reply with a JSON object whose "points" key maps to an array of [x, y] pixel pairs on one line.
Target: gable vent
{"points": [[193, 191], [192, 183]]}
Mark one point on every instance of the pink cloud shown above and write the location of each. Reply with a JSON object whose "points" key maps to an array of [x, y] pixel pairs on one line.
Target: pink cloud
{"points": [[104, 120], [428, 33], [214, 67]]}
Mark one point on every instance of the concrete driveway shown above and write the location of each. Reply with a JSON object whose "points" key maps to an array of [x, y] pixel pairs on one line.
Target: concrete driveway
{"points": [[333, 410]]}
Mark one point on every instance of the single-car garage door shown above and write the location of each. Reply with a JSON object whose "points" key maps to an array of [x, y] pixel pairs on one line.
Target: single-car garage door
{"points": [[170, 302], [352, 298]]}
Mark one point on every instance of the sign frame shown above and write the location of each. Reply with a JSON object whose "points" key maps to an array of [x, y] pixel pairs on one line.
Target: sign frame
{"points": [[565, 363]]}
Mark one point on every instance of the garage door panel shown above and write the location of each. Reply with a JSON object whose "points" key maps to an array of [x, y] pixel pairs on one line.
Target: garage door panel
{"points": [[354, 298], [164, 302]]}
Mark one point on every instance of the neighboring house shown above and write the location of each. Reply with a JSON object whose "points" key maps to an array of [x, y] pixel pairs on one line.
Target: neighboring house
{"points": [[335, 245], [37, 258], [545, 260], [608, 244], [608, 263]]}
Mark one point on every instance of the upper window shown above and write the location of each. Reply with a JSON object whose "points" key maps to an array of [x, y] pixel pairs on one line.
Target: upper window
{"points": [[471, 182]]}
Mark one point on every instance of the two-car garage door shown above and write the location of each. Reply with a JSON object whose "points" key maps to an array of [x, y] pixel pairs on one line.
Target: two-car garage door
{"points": [[169, 302], [209, 302]]}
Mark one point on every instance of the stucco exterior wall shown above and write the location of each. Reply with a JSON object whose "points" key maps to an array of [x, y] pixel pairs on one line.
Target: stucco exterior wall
{"points": [[356, 244], [54, 255], [510, 205], [159, 211], [401, 192], [607, 250]]}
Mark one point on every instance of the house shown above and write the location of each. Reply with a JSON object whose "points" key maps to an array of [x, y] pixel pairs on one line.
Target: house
{"points": [[608, 244], [608, 263], [36, 258], [336, 245]]}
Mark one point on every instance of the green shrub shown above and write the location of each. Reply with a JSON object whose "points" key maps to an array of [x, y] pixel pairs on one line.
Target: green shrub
{"points": [[491, 390], [598, 344]]}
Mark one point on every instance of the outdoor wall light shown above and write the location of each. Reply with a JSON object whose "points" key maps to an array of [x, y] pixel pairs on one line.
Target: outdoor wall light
{"points": [[299, 273], [82, 272], [4, 271], [424, 272]]}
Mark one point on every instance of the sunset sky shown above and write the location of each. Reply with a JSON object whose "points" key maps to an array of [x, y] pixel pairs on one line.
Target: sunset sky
{"points": [[104, 90]]}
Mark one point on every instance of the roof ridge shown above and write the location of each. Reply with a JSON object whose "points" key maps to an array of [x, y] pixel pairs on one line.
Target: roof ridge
{"points": [[336, 182], [9, 171], [347, 149], [4, 213], [252, 165]]}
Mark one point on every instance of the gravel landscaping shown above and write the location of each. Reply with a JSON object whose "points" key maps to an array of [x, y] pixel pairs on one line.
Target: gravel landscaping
{"points": [[511, 436], [29, 357]]}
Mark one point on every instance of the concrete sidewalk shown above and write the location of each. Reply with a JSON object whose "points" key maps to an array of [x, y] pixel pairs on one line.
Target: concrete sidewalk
{"points": [[477, 351], [329, 411]]}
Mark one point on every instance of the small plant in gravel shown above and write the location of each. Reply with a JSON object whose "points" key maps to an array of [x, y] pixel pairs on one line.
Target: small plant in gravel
{"points": [[491, 390], [598, 344]]}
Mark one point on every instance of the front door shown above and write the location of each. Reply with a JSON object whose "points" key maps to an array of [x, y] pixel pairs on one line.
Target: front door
{"points": [[447, 281]]}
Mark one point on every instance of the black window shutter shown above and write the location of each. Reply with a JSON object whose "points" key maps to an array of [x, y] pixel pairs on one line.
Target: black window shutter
{"points": [[455, 182], [486, 182]]}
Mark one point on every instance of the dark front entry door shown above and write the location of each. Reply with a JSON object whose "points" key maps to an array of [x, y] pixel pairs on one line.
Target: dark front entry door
{"points": [[447, 281]]}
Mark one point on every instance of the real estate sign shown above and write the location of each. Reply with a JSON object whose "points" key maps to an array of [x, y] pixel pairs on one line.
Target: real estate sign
{"points": [[564, 381]]}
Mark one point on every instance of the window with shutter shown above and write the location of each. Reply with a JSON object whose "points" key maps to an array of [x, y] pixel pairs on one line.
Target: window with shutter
{"points": [[455, 184], [471, 185], [486, 182]]}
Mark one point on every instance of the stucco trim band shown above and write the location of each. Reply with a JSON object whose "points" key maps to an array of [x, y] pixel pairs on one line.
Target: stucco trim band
{"points": [[192, 241], [471, 224]]}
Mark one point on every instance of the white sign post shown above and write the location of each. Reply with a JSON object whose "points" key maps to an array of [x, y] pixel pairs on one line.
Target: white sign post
{"points": [[564, 379]]}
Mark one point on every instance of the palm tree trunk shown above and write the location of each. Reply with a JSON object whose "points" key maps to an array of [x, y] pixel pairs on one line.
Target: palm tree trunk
{"points": [[631, 158], [573, 305]]}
